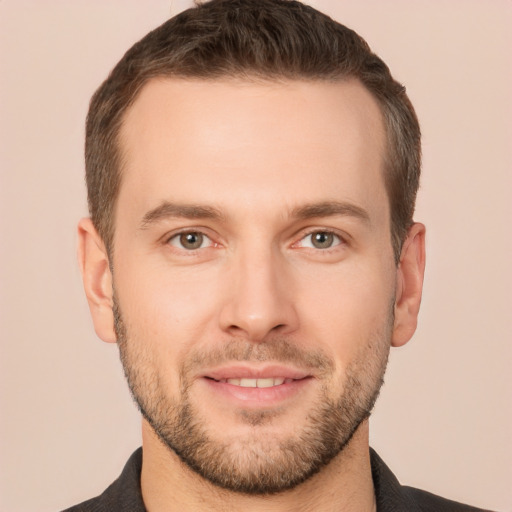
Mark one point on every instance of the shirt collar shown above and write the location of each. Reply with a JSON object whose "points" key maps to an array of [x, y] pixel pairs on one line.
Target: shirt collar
{"points": [[125, 492]]}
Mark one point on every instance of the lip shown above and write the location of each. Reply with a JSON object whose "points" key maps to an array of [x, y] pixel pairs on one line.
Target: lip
{"points": [[253, 397], [255, 372]]}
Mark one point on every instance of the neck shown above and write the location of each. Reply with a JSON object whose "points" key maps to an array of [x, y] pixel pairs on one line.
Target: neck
{"points": [[344, 484]]}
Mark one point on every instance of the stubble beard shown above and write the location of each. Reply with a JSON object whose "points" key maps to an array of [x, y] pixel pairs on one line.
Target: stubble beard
{"points": [[259, 464]]}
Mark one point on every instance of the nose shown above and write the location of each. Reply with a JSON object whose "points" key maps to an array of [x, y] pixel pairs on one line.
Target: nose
{"points": [[259, 299]]}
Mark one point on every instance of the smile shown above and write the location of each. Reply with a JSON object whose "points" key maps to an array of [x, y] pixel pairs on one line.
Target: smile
{"points": [[256, 388], [257, 383]]}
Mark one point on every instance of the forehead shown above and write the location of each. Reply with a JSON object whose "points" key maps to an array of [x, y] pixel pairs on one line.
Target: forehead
{"points": [[199, 139]]}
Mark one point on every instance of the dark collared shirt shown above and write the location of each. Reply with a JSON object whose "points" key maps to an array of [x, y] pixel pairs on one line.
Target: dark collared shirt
{"points": [[124, 495]]}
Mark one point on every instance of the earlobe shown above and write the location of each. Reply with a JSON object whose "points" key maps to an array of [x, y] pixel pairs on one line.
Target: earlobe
{"points": [[409, 285], [97, 279]]}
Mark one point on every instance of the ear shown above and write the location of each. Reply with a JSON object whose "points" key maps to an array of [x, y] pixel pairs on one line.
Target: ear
{"points": [[409, 285], [97, 279]]}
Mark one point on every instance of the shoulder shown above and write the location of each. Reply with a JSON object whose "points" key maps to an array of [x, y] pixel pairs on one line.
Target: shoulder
{"points": [[391, 496], [428, 502], [92, 505], [123, 494]]}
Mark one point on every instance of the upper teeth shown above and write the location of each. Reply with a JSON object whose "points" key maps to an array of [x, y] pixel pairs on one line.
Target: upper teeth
{"points": [[257, 383]]}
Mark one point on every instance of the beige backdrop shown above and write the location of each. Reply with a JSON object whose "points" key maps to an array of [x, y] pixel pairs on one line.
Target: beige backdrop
{"points": [[444, 418]]}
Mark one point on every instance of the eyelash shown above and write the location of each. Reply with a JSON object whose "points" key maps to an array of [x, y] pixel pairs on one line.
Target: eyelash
{"points": [[177, 236], [337, 240]]}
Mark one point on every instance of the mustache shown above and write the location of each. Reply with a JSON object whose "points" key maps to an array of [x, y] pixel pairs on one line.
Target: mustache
{"points": [[278, 350]]}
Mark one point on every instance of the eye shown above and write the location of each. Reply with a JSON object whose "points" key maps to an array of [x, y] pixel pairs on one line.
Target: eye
{"points": [[320, 240], [190, 240]]}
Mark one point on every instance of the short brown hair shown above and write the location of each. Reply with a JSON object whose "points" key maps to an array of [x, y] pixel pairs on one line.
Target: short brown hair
{"points": [[269, 39]]}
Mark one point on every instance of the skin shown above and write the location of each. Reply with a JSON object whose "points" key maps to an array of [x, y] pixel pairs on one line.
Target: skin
{"points": [[258, 155]]}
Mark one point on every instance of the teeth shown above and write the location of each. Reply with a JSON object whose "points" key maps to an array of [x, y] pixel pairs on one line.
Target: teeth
{"points": [[265, 383], [248, 383], [258, 383]]}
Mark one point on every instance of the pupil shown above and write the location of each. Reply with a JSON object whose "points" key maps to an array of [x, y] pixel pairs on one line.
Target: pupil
{"points": [[322, 240], [191, 240]]}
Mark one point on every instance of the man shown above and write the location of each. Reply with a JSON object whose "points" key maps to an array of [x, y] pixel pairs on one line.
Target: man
{"points": [[252, 171]]}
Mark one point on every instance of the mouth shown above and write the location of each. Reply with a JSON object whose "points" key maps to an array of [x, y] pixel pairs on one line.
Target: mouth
{"points": [[257, 383], [256, 387]]}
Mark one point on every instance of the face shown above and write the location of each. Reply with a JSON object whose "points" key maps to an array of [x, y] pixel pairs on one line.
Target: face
{"points": [[253, 272]]}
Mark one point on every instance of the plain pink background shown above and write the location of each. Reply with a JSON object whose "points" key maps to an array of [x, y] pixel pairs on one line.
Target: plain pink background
{"points": [[444, 418]]}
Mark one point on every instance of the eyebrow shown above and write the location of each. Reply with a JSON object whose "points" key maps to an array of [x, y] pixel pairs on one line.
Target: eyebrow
{"points": [[308, 211], [187, 211], [330, 209]]}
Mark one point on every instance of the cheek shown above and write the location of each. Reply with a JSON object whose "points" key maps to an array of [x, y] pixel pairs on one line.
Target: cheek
{"points": [[345, 307], [167, 309]]}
